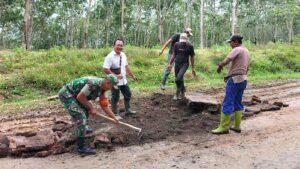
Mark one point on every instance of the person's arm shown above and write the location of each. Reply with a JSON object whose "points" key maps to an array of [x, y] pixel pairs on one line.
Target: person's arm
{"points": [[222, 64], [172, 57], [130, 73], [108, 111], [108, 71], [82, 99], [103, 102], [171, 61], [192, 56], [106, 68], [165, 46], [231, 56], [193, 65]]}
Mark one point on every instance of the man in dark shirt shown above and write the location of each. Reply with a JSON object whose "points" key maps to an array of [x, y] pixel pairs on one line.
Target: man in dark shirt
{"points": [[183, 50], [173, 39]]}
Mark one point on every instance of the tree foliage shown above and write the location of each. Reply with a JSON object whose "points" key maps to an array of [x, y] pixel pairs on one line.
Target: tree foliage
{"points": [[147, 23]]}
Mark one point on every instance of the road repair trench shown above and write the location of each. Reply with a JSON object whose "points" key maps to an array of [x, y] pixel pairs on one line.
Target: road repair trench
{"points": [[50, 131]]}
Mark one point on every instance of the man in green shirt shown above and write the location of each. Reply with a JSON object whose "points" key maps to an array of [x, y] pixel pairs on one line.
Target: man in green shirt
{"points": [[76, 96]]}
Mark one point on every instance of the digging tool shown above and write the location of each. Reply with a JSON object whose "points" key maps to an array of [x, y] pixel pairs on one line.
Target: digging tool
{"points": [[139, 130]]}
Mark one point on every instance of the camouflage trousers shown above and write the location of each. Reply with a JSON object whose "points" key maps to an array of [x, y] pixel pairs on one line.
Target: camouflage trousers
{"points": [[78, 113]]}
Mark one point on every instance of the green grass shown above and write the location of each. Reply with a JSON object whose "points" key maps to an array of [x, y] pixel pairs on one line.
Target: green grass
{"points": [[27, 76]]}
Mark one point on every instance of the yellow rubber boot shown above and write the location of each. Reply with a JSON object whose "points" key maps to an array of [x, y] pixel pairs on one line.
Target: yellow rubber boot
{"points": [[237, 121], [224, 125]]}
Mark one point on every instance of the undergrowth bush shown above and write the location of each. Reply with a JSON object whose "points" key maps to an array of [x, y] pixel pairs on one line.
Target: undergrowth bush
{"points": [[50, 69]]}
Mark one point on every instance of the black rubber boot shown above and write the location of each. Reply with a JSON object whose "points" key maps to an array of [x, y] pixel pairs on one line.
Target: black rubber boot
{"points": [[115, 110], [128, 110], [82, 149], [177, 95], [89, 130]]}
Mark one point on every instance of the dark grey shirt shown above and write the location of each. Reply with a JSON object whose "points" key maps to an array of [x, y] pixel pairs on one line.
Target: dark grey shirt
{"points": [[183, 51], [175, 38]]}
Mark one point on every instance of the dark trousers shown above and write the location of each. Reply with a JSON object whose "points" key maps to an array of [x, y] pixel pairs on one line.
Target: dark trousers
{"points": [[180, 70], [115, 97]]}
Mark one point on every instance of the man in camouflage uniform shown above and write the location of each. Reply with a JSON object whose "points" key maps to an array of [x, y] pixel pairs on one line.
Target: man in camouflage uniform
{"points": [[76, 96]]}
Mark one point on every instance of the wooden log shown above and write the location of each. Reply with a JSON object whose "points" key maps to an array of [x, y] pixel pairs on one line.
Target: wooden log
{"points": [[43, 140], [53, 97]]}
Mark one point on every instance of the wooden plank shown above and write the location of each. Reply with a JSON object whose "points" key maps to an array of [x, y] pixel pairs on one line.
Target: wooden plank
{"points": [[199, 102], [202, 98]]}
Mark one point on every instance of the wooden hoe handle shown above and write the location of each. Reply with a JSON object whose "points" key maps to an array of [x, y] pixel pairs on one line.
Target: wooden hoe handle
{"points": [[122, 123]]}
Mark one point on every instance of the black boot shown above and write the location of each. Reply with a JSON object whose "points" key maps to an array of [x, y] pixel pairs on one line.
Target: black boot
{"points": [[177, 95], [128, 110], [82, 149], [89, 130], [115, 110], [182, 92]]}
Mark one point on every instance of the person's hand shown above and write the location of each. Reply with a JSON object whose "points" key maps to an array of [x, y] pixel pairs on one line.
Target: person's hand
{"points": [[220, 68], [169, 66], [161, 52], [93, 111], [119, 76], [194, 72], [135, 78], [116, 121]]}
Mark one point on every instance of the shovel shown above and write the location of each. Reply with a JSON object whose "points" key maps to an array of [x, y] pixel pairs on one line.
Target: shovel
{"points": [[139, 130]]}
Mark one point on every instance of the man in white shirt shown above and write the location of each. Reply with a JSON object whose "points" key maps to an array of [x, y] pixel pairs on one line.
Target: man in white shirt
{"points": [[116, 63]]}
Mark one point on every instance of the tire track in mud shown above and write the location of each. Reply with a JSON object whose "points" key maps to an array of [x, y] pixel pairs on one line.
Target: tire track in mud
{"points": [[276, 91], [25, 125]]}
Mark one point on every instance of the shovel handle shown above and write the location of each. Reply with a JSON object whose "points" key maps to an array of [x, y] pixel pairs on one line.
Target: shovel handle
{"points": [[122, 123]]}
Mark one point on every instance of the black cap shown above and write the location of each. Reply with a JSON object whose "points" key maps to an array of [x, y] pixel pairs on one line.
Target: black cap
{"points": [[235, 38]]}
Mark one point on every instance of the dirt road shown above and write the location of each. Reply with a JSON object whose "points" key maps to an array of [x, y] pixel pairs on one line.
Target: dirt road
{"points": [[270, 140]]}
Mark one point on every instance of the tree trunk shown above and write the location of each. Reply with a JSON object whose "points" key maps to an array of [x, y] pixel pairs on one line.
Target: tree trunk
{"points": [[290, 23], [201, 23], [30, 30], [122, 18], [138, 18], [26, 25], [257, 13], [275, 29], [86, 25], [188, 14], [159, 21], [67, 31], [2, 36], [233, 16], [71, 25], [98, 31], [213, 22], [109, 16]]}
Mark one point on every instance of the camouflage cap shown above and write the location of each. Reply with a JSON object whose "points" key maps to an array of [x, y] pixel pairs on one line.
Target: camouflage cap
{"points": [[114, 80]]}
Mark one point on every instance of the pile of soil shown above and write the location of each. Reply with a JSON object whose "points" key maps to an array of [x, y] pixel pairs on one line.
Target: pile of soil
{"points": [[160, 117]]}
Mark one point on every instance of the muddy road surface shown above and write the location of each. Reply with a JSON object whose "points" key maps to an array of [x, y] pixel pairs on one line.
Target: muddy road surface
{"points": [[174, 137]]}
